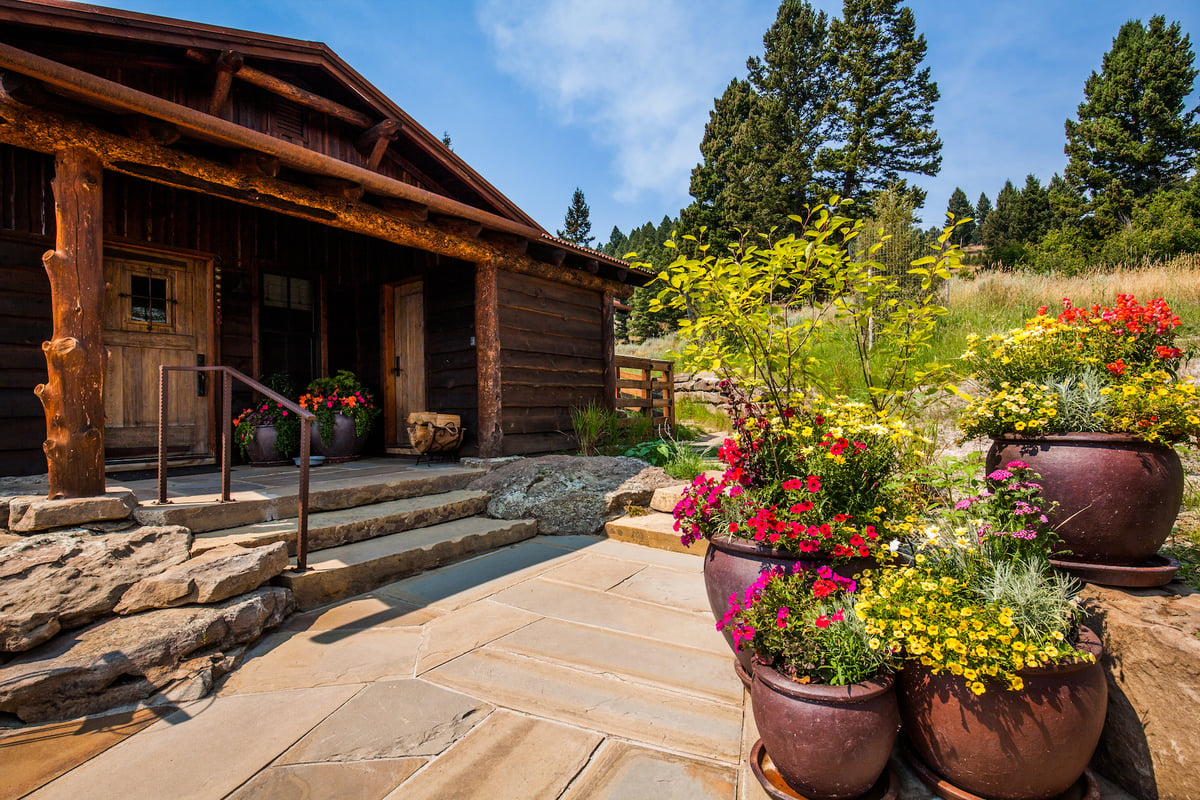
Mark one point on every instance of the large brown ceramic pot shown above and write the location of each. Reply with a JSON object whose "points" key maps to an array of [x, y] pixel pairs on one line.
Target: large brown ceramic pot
{"points": [[1030, 744], [730, 565], [1117, 496], [261, 451], [346, 444], [828, 742]]}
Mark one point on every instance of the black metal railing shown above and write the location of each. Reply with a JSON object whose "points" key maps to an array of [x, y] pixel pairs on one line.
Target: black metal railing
{"points": [[227, 375]]}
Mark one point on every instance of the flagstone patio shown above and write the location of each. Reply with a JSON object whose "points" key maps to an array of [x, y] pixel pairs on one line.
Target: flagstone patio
{"points": [[560, 667]]}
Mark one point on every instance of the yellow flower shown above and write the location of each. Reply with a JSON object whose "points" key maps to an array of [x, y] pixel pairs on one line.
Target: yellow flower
{"points": [[978, 688]]}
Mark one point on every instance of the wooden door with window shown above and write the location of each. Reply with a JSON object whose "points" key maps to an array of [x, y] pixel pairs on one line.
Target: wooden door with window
{"points": [[156, 312], [404, 360]]}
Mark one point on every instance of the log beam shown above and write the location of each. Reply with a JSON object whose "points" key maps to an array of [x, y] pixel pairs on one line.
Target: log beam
{"points": [[226, 66], [76, 361], [487, 361], [253, 163], [34, 129], [463, 227], [336, 187], [148, 129], [517, 244], [290, 91], [414, 212], [374, 142]]}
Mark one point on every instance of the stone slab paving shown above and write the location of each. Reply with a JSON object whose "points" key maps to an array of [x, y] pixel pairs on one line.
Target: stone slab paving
{"points": [[571, 667]]}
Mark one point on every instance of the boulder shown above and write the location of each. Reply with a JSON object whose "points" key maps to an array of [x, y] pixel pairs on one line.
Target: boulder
{"points": [[570, 494], [66, 579], [210, 577], [39, 514], [178, 652], [1152, 658]]}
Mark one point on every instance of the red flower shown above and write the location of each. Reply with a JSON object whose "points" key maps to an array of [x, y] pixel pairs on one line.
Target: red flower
{"points": [[814, 483], [1117, 367]]}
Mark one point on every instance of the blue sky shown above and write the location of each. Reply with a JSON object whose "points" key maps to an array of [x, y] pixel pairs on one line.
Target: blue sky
{"points": [[541, 96]]}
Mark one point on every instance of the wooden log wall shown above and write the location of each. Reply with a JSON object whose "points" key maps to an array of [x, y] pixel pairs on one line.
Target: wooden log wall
{"points": [[242, 241], [552, 359], [452, 383]]}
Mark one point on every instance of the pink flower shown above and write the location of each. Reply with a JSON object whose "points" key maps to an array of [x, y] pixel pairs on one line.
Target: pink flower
{"points": [[781, 617]]}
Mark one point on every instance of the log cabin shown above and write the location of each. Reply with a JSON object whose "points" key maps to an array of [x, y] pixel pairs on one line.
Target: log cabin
{"points": [[183, 194]]}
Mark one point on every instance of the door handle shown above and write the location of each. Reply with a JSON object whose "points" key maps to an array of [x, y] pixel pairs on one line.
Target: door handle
{"points": [[201, 377], [396, 369]]}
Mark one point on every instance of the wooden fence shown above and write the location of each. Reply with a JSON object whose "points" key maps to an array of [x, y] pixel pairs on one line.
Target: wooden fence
{"points": [[646, 387]]}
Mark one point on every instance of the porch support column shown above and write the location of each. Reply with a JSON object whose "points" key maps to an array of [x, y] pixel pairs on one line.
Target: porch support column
{"points": [[609, 343], [73, 395], [487, 359]]}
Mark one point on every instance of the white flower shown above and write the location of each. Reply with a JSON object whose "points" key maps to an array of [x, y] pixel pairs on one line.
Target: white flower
{"points": [[894, 546]]}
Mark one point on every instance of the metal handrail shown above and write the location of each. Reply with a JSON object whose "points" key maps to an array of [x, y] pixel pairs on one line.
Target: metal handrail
{"points": [[228, 376]]}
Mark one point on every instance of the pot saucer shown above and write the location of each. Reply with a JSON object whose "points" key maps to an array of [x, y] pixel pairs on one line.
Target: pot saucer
{"points": [[1157, 571], [886, 788], [1085, 788]]}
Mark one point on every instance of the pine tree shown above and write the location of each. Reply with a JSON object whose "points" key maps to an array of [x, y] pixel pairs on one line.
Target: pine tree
{"points": [[577, 225], [961, 208], [1132, 127], [1000, 235], [983, 207], [1031, 214], [617, 245], [794, 80], [763, 133], [883, 125], [721, 182]]}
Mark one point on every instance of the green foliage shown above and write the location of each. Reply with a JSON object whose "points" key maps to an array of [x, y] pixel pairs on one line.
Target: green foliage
{"points": [[678, 459], [577, 225], [960, 209], [883, 122], [701, 414], [755, 315], [1132, 129], [648, 243]]}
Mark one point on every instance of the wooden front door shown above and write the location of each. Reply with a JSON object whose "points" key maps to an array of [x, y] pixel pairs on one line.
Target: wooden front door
{"points": [[156, 312], [404, 359]]}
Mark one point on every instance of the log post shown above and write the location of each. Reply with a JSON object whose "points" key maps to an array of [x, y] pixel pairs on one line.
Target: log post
{"points": [[76, 361], [487, 359]]}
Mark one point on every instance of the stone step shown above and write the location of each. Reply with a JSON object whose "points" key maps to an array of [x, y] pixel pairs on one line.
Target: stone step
{"points": [[328, 529], [251, 507], [359, 567], [655, 530]]}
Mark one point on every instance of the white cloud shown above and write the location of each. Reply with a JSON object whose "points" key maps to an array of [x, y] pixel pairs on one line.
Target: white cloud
{"points": [[640, 76]]}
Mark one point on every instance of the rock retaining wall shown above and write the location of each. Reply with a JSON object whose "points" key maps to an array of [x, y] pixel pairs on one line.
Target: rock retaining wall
{"points": [[157, 621], [1152, 659]]}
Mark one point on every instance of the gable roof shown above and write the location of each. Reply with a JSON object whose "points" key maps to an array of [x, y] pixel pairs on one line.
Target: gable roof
{"points": [[315, 59]]}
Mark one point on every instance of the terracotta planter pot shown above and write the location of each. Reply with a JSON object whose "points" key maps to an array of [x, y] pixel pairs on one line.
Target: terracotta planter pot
{"points": [[261, 451], [1117, 495], [730, 565], [346, 445], [828, 742], [1030, 744]]}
